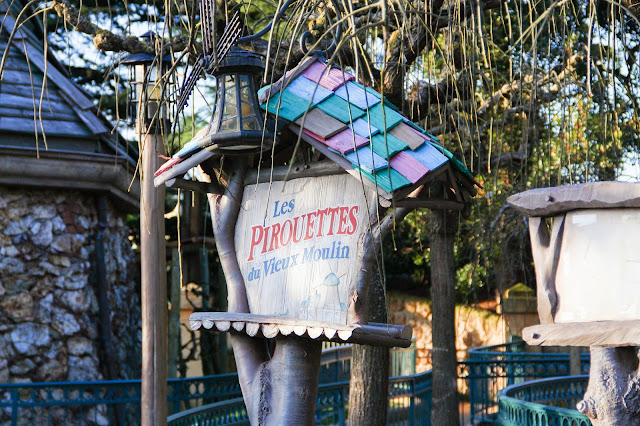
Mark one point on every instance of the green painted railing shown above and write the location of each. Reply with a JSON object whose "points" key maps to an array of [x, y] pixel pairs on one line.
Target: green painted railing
{"points": [[543, 402], [492, 368], [409, 404]]}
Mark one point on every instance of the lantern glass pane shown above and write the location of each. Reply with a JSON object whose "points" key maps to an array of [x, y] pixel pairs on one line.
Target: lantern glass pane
{"points": [[230, 113], [250, 123]]}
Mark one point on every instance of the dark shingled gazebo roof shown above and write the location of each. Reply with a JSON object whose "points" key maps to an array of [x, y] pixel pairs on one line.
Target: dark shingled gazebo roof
{"points": [[51, 133]]}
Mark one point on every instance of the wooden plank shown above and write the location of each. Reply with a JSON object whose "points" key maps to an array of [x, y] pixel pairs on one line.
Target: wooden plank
{"points": [[429, 156], [430, 203], [408, 135], [269, 91], [345, 164], [597, 333], [72, 92], [308, 90], [321, 168], [287, 105], [546, 249], [594, 195], [346, 141], [357, 96], [297, 242], [340, 109], [331, 78], [363, 128], [57, 127], [46, 113], [372, 333], [320, 123], [408, 166], [387, 145], [22, 77], [384, 117], [366, 159], [388, 179]]}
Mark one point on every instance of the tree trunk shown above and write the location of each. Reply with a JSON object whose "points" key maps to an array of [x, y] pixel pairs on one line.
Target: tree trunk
{"points": [[442, 226], [369, 386], [613, 394]]}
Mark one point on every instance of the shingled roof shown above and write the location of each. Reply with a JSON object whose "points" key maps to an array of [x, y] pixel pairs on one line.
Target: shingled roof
{"points": [[51, 133], [358, 128]]}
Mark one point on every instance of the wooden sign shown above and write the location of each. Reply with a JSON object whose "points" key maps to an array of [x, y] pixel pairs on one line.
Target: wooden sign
{"points": [[296, 244]]}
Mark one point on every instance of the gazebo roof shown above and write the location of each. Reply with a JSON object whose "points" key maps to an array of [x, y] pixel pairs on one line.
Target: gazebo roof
{"points": [[50, 129]]}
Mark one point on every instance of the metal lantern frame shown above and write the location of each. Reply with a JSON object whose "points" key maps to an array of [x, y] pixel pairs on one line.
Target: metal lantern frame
{"points": [[237, 124], [149, 101]]}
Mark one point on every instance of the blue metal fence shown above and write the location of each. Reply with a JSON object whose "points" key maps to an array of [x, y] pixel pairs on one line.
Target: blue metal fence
{"points": [[492, 368], [487, 371], [543, 402]]}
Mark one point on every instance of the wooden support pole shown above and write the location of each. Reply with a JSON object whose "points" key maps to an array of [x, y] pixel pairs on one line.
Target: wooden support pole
{"points": [[154, 288]]}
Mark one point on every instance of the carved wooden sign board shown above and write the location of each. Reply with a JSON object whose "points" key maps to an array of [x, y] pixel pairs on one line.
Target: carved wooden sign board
{"points": [[296, 244]]}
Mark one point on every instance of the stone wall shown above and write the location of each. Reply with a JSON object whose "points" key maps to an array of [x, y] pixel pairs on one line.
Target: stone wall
{"points": [[474, 327], [49, 327]]}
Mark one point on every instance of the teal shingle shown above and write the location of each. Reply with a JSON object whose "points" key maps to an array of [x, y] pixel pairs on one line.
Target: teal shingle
{"points": [[389, 147], [384, 117], [338, 108], [388, 179], [290, 107]]}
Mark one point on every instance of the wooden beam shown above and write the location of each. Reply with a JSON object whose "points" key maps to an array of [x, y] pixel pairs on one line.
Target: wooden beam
{"points": [[594, 195], [430, 203], [271, 326], [322, 168], [192, 185], [597, 333]]}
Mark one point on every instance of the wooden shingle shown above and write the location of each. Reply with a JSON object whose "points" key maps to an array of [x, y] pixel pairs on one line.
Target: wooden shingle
{"points": [[287, 105], [363, 128], [338, 108], [408, 135], [388, 179], [409, 166], [308, 90], [346, 141], [320, 123], [328, 78], [366, 159], [384, 117], [387, 145], [357, 96]]}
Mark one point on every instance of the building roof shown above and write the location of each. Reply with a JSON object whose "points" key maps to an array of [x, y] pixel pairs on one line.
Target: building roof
{"points": [[358, 128], [51, 118]]}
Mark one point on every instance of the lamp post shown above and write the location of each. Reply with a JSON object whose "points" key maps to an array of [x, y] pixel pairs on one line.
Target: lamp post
{"points": [[151, 120]]}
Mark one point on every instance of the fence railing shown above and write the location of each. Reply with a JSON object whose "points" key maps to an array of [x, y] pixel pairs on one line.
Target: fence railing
{"points": [[543, 402], [492, 368], [487, 371]]}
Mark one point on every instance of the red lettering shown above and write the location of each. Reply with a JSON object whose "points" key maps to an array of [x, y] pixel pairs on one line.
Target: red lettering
{"points": [[275, 232], [344, 213], [333, 213], [265, 240], [353, 211], [321, 215], [255, 239], [297, 239], [286, 240], [311, 217]]}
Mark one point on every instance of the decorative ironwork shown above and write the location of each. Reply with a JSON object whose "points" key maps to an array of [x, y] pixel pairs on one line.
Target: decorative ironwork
{"points": [[543, 402]]}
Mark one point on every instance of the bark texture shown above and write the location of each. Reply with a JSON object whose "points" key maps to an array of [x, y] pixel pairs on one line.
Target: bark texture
{"points": [[370, 369], [443, 225], [613, 394]]}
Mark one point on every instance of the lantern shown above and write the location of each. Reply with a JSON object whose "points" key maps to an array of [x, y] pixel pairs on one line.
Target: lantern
{"points": [[237, 126], [148, 94]]}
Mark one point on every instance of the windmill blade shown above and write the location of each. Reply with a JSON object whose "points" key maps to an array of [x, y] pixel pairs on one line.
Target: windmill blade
{"points": [[229, 37], [188, 86], [207, 20]]}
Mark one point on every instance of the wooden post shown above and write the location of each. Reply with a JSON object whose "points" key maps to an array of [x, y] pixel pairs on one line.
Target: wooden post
{"points": [[174, 316], [154, 288]]}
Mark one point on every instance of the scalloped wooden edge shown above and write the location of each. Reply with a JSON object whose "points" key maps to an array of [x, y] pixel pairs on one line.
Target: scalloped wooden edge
{"points": [[269, 327]]}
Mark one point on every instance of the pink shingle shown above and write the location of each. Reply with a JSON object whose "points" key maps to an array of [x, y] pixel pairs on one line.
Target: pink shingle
{"points": [[408, 166], [328, 78], [346, 141]]}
